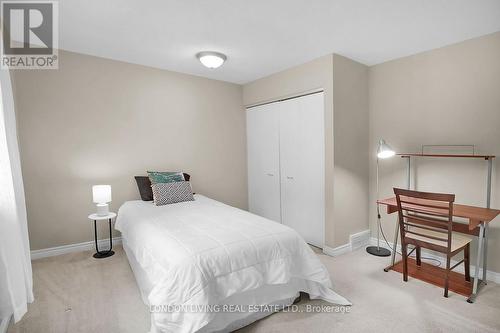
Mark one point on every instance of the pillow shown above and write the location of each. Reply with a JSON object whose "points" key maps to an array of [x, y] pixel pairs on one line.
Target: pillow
{"points": [[169, 193], [165, 177], [144, 186]]}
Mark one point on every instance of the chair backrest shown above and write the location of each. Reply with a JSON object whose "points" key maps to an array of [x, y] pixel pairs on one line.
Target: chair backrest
{"points": [[426, 217]]}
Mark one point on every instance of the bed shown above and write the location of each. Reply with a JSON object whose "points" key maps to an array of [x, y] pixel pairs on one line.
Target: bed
{"points": [[200, 264]]}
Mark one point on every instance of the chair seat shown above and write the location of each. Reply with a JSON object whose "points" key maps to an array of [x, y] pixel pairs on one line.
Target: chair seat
{"points": [[457, 240]]}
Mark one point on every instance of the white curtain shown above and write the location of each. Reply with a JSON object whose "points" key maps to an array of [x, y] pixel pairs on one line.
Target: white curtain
{"points": [[16, 282]]}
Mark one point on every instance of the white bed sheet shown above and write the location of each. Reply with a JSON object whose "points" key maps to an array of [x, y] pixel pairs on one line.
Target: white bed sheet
{"points": [[203, 252]]}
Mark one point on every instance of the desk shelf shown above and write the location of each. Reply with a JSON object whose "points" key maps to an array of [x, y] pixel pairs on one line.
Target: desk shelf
{"points": [[436, 276], [486, 157]]}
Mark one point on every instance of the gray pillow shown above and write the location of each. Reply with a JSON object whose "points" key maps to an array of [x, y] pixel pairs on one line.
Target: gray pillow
{"points": [[169, 193]]}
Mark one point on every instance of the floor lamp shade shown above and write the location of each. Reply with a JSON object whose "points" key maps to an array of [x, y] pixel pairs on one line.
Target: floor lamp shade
{"points": [[101, 195], [384, 150]]}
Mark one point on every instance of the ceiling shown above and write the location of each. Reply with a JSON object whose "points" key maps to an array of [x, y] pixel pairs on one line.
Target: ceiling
{"points": [[261, 37]]}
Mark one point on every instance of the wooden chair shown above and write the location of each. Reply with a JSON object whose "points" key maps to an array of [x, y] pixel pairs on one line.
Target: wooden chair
{"points": [[426, 220]]}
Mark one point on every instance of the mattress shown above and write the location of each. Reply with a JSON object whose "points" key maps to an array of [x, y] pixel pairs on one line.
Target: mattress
{"points": [[202, 253]]}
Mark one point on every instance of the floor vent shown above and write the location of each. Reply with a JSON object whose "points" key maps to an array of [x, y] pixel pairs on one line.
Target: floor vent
{"points": [[359, 240]]}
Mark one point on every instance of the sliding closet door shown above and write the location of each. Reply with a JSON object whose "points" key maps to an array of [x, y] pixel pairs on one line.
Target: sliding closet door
{"points": [[302, 153], [263, 161]]}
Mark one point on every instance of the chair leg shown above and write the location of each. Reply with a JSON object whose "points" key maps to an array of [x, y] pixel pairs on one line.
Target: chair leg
{"points": [[405, 261], [419, 260], [467, 262], [446, 282]]}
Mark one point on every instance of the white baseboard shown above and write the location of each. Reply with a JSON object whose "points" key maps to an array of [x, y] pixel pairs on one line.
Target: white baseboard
{"points": [[85, 246], [4, 325], [337, 251], [356, 241], [490, 275]]}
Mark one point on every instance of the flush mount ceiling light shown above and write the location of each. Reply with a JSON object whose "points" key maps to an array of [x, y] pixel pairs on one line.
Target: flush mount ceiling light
{"points": [[211, 59]]}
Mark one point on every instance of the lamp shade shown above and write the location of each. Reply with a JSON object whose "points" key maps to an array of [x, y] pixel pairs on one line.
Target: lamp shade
{"points": [[101, 193], [384, 150]]}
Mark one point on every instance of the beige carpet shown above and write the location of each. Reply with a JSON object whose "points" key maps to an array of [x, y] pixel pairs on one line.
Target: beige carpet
{"points": [[77, 293]]}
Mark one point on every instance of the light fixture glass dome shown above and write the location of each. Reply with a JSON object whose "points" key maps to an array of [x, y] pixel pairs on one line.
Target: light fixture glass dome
{"points": [[211, 59], [384, 150]]}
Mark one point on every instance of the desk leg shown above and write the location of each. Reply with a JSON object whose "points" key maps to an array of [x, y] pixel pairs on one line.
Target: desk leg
{"points": [[485, 250], [395, 244], [480, 255]]}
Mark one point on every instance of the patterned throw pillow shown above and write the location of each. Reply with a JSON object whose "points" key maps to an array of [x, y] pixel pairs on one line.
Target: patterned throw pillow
{"points": [[165, 177], [169, 193]]}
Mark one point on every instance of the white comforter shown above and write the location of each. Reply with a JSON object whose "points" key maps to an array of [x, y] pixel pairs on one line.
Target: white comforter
{"points": [[203, 251]]}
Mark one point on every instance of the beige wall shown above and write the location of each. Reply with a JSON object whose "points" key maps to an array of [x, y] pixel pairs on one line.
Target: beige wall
{"points": [[100, 121], [346, 105], [351, 171], [446, 96]]}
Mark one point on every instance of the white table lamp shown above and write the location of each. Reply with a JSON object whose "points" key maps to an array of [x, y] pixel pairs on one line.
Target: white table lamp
{"points": [[102, 196]]}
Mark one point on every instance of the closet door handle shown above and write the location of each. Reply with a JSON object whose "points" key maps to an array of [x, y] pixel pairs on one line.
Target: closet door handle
{"points": [[270, 174], [289, 177]]}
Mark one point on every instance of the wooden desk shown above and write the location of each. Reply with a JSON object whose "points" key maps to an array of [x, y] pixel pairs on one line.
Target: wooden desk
{"points": [[477, 219]]}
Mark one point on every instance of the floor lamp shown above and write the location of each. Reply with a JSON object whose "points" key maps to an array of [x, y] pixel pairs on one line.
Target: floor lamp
{"points": [[383, 151]]}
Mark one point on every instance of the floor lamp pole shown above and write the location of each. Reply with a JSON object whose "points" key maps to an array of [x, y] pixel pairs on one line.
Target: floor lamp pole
{"points": [[377, 250]]}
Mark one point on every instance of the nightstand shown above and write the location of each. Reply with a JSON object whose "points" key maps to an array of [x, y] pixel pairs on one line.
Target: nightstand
{"points": [[109, 217]]}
